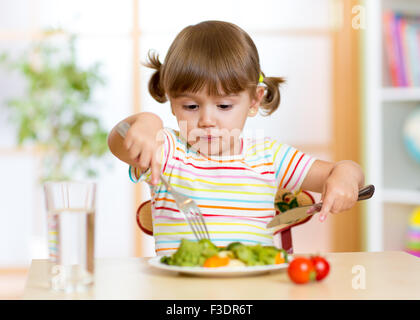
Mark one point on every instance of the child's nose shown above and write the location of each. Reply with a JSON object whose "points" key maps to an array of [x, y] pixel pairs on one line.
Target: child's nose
{"points": [[206, 118]]}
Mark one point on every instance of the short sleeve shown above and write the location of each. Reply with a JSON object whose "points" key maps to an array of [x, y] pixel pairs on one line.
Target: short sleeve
{"points": [[165, 155], [291, 166]]}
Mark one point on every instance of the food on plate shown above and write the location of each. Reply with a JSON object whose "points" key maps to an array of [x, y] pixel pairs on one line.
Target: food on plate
{"points": [[204, 253], [279, 258], [190, 253], [216, 261], [302, 270]]}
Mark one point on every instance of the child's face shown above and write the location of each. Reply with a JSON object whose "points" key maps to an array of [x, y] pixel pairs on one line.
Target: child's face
{"points": [[212, 124]]}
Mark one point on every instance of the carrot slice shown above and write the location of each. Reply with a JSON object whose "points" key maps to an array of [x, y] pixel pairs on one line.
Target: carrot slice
{"points": [[279, 259], [216, 261]]}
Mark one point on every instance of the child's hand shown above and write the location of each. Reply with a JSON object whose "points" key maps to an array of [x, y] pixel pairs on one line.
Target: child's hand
{"points": [[143, 147], [340, 192]]}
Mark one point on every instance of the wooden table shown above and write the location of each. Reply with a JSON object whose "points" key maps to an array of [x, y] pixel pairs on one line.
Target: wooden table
{"points": [[357, 275]]}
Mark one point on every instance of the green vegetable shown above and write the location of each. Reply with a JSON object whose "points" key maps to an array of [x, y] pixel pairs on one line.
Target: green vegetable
{"points": [[191, 253], [208, 248], [166, 260], [267, 255], [194, 254], [247, 255], [233, 245]]}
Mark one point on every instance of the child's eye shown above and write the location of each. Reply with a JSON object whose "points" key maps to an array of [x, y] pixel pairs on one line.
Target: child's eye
{"points": [[225, 106], [190, 106]]}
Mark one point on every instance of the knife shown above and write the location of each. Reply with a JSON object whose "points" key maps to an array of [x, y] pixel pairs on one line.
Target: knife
{"points": [[299, 214]]}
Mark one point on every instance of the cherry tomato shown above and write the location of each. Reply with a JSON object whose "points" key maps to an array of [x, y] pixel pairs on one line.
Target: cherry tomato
{"points": [[301, 270], [322, 267], [216, 261]]}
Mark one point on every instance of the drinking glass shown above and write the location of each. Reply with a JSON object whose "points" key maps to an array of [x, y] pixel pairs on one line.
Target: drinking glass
{"points": [[71, 234]]}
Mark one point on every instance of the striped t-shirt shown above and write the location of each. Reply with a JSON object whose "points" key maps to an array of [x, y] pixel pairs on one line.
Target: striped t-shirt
{"points": [[234, 193]]}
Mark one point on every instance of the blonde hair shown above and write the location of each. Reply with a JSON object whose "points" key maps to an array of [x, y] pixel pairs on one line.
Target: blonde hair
{"points": [[213, 54]]}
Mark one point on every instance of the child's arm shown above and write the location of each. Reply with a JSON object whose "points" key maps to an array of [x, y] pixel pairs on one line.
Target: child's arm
{"points": [[338, 182], [139, 148]]}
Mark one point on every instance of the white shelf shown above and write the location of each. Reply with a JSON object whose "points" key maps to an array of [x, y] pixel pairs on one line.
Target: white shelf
{"points": [[401, 94], [409, 197], [387, 164]]}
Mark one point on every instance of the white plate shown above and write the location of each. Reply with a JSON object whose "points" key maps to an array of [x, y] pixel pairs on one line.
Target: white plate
{"points": [[220, 271]]}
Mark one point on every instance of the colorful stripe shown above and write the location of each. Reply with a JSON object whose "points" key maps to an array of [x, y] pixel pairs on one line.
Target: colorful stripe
{"points": [[254, 219], [214, 183], [168, 152], [157, 234], [262, 150], [294, 170], [282, 160], [229, 240], [287, 169], [182, 169], [217, 199], [176, 185], [413, 232], [210, 224], [301, 173], [221, 207]]}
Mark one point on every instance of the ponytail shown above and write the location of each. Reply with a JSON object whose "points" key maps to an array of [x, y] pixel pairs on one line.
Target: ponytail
{"points": [[155, 86], [271, 99]]}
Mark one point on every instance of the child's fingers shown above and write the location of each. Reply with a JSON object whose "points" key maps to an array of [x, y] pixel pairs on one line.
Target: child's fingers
{"points": [[350, 200], [144, 161], [327, 204], [126, 139], [155, 166], [311, 210], [134, 151], [129, 140], [128, 143], [343, 202]]}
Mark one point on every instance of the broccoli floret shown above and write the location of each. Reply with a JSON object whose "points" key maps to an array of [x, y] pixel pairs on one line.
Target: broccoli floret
{"points": [[266, 255], [191, 253], [208, 249], [246, 255], [188, 254], [233, 245], [166, 260], [256, 255]]}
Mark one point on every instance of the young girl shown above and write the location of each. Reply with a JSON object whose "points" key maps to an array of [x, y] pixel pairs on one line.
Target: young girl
{"points": [[212, 77]]}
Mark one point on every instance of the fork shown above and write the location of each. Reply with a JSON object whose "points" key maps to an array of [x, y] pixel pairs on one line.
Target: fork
{"points": [[186, 205], [191, 212]]}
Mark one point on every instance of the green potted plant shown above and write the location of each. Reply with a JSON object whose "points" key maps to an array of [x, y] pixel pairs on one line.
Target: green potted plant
{"points": [[56, 112]]}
